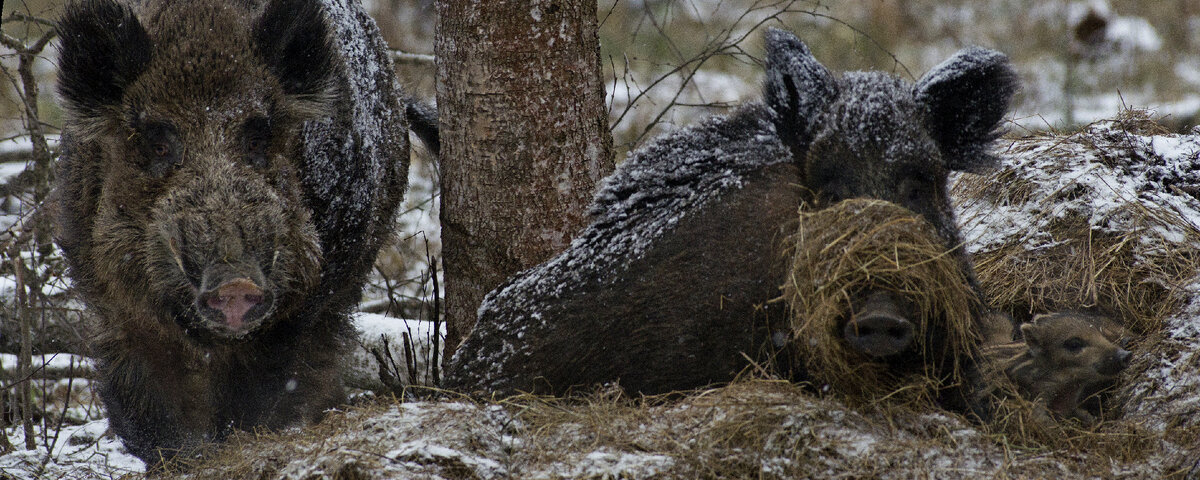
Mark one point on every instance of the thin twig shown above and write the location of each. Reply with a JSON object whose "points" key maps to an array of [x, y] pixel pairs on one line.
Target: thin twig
{"points": [[405, 58]]}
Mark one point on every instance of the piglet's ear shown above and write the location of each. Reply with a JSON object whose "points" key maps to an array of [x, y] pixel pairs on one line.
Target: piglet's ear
{"points": [[797, 88], [292, 38], [966, 97], [1029, 332], [103, 49]]}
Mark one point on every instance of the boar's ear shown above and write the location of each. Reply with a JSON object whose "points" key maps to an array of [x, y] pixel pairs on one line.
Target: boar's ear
{"points": [[293, 40], [797, 88], [103, 49], [966, 97]]}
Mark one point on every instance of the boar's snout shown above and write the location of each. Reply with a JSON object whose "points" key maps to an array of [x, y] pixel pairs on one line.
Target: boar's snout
{"points": [[1115, 363], [234, 301], [231, 252], [879, 328]]}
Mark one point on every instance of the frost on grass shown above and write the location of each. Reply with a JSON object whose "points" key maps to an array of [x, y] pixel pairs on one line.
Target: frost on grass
{"points": [[752, 429], [84, 451], [1101, 175]]}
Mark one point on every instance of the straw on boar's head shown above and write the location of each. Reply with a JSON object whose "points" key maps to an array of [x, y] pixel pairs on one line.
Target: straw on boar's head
{"points": [[862, 259]]}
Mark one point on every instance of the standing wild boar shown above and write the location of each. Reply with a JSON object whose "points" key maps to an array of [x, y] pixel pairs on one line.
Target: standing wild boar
{"points": [[229, 171], [668, 288]]}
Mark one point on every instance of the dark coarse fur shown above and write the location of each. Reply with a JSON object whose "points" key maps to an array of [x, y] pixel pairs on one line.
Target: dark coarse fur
{"points": [[215, 144], [668, 288]]}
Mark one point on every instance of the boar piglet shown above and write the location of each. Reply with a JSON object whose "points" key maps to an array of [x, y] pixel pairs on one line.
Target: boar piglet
{"points": [[229, 171], [1063, 360]]}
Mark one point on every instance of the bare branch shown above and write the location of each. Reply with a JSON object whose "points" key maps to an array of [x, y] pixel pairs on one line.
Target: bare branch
{"points": [[405, 58], [21, 17]]}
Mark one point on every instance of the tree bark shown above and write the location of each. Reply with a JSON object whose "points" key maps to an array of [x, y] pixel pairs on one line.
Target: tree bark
{"points": [[524, 139]]}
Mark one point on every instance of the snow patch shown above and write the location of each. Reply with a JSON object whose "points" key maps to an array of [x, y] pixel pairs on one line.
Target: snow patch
{"points": [[388, 335]]}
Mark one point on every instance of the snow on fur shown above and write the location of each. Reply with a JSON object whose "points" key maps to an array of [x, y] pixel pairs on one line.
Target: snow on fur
{"points": [[967, 96], [620, 293], [798, 87], [672, 176], [373, 112]]}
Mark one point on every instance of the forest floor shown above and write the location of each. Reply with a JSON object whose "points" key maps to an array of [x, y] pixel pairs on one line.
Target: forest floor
{"points": [[1132, 186]]}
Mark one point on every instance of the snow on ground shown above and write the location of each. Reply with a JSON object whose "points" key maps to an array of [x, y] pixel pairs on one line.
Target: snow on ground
{"points": [[24, 143], [1168, 393], [57, 287], [1143, 170], [58, 363], [79, 452], [8, 170], [84, 449], [74, 430], [408, 342], [811, 436], [757, 429]]}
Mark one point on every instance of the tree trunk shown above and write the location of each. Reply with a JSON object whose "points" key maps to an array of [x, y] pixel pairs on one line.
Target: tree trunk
{"points": [[524, 139]]}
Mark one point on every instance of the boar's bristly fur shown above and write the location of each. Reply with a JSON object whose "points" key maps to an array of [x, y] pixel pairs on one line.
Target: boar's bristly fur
{"points": [[635, 298], [670, 286], [229, 172]]}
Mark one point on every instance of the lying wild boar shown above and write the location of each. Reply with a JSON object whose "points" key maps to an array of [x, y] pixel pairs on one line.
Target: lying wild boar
{"points": [[1063, 359], [229, 171], [668, 287]]}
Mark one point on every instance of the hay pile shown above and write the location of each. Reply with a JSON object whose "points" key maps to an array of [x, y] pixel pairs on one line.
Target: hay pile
{"points": [[753, 429], [857, 246], [1102, 220], [1098, 220]]}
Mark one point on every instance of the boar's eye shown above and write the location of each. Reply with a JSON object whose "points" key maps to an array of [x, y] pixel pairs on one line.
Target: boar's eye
{"points": [[827, 179], [160, 148], [1073, 344], [916, 187], [256, 141]]}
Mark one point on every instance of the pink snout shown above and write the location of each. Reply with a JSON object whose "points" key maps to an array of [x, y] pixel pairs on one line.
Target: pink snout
{"points": [[234, 300]]}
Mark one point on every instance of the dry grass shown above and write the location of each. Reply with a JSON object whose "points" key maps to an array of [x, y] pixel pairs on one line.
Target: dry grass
{"points": [[861, 245], [750, 429], [1090, 269], [1133, 271], [1095, 239], [1120, 274]]}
